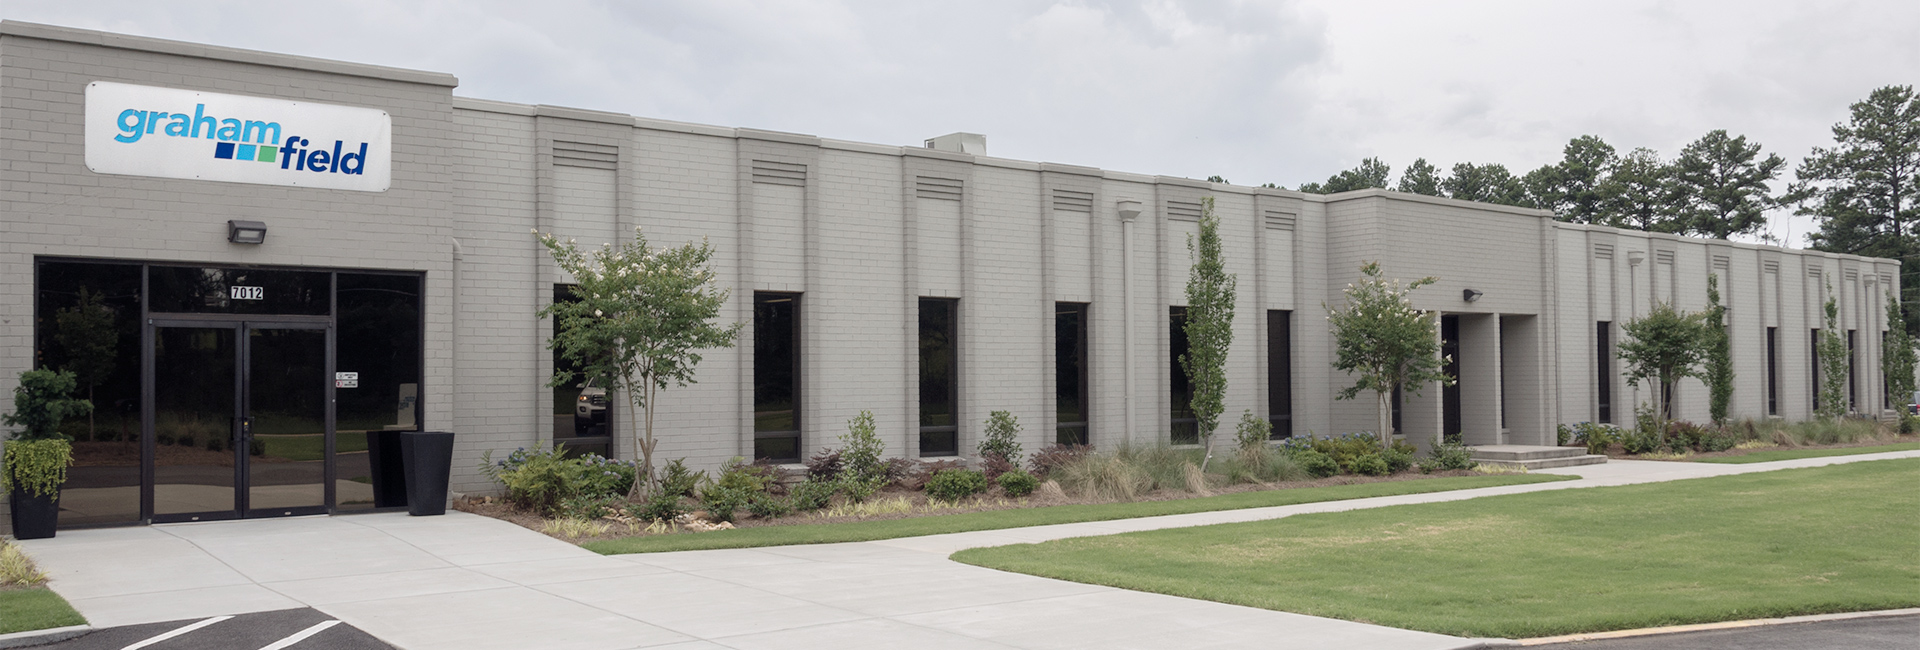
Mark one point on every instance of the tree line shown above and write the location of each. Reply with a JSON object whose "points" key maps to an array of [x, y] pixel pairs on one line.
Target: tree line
{"points": [[1864, 190]]}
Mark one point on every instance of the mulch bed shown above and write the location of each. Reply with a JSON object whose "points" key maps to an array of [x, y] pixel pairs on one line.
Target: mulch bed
{"points": [[994, 500]]}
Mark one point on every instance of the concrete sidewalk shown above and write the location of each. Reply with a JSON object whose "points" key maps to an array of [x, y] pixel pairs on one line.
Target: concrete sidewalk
{"points": [[464, 581]]}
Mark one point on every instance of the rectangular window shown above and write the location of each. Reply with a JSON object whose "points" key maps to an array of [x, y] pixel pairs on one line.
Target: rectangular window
{"points": [[1185, 428], [776, 376], [1070, 372], [939, 377], [1603, 365], [580, 405], [1814, 370], [1280, 372], [1773, 371], [87, 318], [1853, 396]]}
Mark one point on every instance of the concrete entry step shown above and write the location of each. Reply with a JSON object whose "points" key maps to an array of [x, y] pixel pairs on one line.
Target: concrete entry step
{"points": [[1535, 457]]}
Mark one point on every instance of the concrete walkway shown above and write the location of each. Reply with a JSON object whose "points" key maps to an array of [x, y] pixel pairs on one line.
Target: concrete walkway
{"points": [[470, 582]]}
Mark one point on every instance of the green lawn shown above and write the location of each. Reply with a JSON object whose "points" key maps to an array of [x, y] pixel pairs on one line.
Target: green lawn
{"points": [[863, 531], [37, 608], [1780, 543], [1790, 454]]}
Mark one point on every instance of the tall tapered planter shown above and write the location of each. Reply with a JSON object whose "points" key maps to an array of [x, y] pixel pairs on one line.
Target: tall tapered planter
{"points": [[428, 456], [34, 516]]}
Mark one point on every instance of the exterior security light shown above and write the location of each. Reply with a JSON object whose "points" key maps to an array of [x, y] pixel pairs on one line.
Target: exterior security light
{"points": [[246, 232], [1470, 295]]}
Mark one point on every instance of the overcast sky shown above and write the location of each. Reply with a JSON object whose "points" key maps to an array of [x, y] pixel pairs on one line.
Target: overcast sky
{"points": [[1256, 91]]}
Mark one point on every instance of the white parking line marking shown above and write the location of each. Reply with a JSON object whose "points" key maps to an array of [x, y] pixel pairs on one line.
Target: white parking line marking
{"points": [[178, 632], [300, 636]]}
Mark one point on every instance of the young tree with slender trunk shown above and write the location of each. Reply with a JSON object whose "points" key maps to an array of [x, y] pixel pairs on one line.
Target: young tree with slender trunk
{"points": [[1897, 357], [642, 318], [1719, 362], [1209, 327], [1384, 343], [1662, 347], [1834, 365]]}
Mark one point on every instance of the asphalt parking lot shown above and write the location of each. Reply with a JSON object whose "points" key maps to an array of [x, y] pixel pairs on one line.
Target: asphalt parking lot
{"points": [[1884, 633], [298, 629]]}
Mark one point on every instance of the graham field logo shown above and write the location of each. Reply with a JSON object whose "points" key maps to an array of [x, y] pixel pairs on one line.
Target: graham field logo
{"points": [[171, 133]]}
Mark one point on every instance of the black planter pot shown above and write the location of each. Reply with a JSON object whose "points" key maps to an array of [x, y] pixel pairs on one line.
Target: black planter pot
{"points": [[388, 468], [34, 517], [428, 457]]}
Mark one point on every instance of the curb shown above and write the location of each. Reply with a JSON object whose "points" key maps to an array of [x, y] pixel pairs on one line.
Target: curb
{"points": [[32, 638], [1699, 627]]}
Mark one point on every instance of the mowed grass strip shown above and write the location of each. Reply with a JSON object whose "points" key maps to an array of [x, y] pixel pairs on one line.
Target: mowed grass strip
{"points": [[865, 531], [35, 608], [1790, 454], [1780, 543]]}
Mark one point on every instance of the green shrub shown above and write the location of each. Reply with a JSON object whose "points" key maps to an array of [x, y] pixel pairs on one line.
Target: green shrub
{"points": [[1399, 458], [662, 506], [858, 490], [677, 480], [1001, 438], [767, 506], [588, 507], [1370, 465], [720, 501], [861, 449], [604, 477], [813, 494], [1348, 447], [1317, 465], [1597, 437], [956, 484], [1719, 440], [1640, 442], [1448, 456], [1253, 431], [737, 474], [1018, 483], [1563, 435], [535, 479], [1908, 423]]}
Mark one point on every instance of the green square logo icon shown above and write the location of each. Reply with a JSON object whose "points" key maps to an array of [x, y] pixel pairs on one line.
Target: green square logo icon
{"points": [[267, 153]]}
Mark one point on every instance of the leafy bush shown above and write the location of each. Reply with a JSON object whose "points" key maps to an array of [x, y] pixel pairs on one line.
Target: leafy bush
{"points": [[1597, 437], [535, 479], [994, 465], [1448, 456], [861, 448], [956, 484], [1563, 435], [922, 471], [1018, 483], [767, 506], [747, 478], [602, 476], [721, 501], [1370, 465], [1348, 447], [899, 469], [588, 507], [676, 480], [1640, 441], [1052, 457], [1684, 436], [1399, 458], [1718, 440], [662, 506], [858, 490], [825, 466], [1253, 431], [41, 403], [1317, 465], [813, 494], [1001, 439]]}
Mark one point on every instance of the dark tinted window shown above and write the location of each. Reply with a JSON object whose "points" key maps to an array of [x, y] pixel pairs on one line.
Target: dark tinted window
{"points": [[776, 376], [189, 289], [1280, 372], [1070, 372], [86, 319], [1603, 365], [1186, 428], [939, 377]]}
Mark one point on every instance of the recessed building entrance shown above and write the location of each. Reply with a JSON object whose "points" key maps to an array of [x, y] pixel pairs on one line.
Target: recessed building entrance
{"points": [[241, 420]]}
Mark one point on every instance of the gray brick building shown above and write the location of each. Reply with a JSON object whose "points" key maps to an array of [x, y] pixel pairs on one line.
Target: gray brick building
{"points": [[1051, 288]]}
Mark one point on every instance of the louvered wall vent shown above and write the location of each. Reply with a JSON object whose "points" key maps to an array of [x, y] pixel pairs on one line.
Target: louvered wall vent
{"points": [[1603, 251], [1183, 210], [1278, 220], [945, 189], [585, 154], [779, 173], [1071, 201]]}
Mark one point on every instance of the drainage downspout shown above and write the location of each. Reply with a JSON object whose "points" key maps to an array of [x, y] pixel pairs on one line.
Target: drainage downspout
{"points": [[453, 327], [1129, 211]]}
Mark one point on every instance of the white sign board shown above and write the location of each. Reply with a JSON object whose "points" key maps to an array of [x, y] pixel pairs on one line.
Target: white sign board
{"points": [[237, 292], [170, 133], [346, 380]]}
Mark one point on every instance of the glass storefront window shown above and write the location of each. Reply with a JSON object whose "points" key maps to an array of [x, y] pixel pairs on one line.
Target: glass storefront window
{"points": [[87, 319], [196, 290], [377, 337]]}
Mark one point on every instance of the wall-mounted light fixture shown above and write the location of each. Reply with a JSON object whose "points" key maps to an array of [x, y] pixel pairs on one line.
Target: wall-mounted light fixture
{"points": [[1470, 295], [246, 232]]}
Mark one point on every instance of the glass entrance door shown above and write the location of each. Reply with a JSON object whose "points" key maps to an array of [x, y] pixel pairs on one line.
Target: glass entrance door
{"points": [[241, 424]]}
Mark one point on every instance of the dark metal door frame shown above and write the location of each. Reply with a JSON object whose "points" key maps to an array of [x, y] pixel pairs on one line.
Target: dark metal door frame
{"points": [[238, 440]]}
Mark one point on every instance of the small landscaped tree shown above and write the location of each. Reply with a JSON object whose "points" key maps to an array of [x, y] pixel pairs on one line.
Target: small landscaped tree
{"points": [[641, 319], [1897, 359], [1719, 362], [1662, 347], [1385, 343], [1209, 327], [1834, 364]]}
